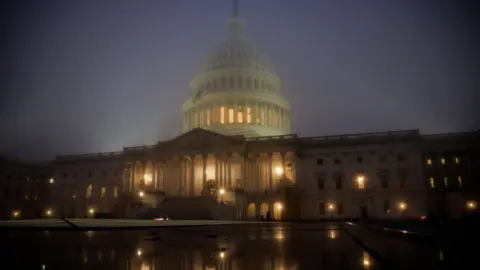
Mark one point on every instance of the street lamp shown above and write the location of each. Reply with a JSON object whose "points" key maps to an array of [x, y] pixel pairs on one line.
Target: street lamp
{"points": [[471, 205], [221, 191], [49, 212], [330, 209], [402, 206], [141, 194], [279, 208], [16, 213], [91, 211]]}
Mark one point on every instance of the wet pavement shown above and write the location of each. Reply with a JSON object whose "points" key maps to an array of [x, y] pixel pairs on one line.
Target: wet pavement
{"points": [[272, 246]]}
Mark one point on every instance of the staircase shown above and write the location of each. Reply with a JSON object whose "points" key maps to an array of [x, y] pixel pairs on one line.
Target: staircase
{"points": [[194, 208]]}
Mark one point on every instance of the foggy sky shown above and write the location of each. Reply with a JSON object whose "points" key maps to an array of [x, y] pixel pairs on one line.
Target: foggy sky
{"points": [[92, 76]]}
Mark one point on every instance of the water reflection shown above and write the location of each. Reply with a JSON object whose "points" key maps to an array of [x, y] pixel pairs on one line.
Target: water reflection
{"points": [[265, 248]]}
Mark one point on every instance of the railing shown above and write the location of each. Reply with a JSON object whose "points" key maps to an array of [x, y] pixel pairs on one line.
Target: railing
{"points": [[88, 156], [388, 134], [451, 135], [279, 137], [141, 147]]}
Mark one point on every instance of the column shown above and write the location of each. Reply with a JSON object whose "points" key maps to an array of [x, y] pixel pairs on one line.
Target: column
{"points": [[258, 169], [192, 176], [132, 176], [204, 163], [154, 174], [270, 171], [243, 173], [179, 179], [217, 173], [229, 173]]}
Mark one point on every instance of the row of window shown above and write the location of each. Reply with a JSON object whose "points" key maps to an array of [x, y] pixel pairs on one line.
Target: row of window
{"points": [[447, 182], [443, 160], [265, 115], [384, 180], [28, 194], [103, 192], [337, 207], [240, 82], [360, 160], [90, 174]]}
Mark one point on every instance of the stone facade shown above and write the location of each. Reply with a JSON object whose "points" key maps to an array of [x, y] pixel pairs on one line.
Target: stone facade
{"points": [[288, 176]]}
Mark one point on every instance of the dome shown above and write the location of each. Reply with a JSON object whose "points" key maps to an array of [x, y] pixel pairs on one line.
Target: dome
{"points": [[237, 92], [236, 53]]}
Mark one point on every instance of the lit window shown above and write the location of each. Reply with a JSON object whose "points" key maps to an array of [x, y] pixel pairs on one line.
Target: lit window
{"points": [[429, 161], [445, 181], [222, 115], [360, 181], [432, 182], [457, 160], [249, 115], [442, 160], [103, 190], [240, 116], [230, 116], [460, 181], [115, 191], [89, 191]]}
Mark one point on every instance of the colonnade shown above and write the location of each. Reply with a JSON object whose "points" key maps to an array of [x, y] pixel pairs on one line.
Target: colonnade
{"points": [[241, 112], [195, 175]]}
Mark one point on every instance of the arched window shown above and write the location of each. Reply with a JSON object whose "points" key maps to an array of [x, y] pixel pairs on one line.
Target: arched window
{"points": [[251, 211]]}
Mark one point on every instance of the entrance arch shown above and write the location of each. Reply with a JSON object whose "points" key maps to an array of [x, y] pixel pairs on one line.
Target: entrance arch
{"points": [[251, 211], [264, 209], [277, 211]]}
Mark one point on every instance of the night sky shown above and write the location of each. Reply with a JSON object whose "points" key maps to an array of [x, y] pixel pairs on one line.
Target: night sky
{"points": [[97, 75]]}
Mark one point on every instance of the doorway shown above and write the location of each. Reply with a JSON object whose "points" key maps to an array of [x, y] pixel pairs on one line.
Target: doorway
{"points": [[363, 211]]}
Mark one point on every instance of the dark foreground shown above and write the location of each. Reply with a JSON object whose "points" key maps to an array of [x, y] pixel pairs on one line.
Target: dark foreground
{"points": [[279, 246]]}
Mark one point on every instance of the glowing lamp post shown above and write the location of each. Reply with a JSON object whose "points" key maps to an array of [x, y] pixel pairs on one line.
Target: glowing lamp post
{"points": [[471, 205], [279, 208], [49, 212], [221, 191], [141, 194], [330, 209], [402, 206]]}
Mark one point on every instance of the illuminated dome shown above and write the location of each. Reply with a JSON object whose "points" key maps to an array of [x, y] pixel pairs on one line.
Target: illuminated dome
{"points": [[237, 91]]}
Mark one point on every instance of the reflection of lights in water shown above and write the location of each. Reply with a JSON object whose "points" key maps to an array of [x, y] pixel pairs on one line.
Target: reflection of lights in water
{"points": [[99, 256], [279, 235], [332, 234], [44, 267], [366, 260], [145, 266], [139, 252], [89, 234], [85, 256], [441, 255]]}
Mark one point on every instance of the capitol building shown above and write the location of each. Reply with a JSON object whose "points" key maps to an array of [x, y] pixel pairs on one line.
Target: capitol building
{"points": [[237, 158]]}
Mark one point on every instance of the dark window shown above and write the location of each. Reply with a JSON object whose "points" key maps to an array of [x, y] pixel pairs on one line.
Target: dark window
{"points": [[337, 161], [384, 180], [320, 161], [65, 175], [359, 160], [321, 183], [338, 182], [339, 208], [75, 174], [401, 157], [321, 207], [386, 205], [403, 179], [116, 173], [89, 174], [104, 174], [382, 158]]}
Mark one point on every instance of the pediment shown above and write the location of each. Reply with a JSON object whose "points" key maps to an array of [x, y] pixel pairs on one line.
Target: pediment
{"points": [[201, 139]]}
